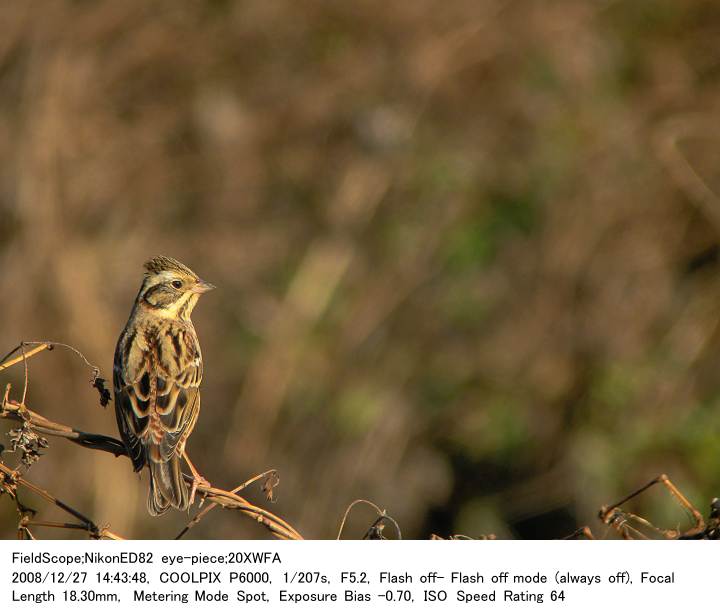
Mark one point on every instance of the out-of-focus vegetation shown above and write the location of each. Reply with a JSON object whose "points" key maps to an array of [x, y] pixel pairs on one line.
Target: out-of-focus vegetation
{"points": [[467, 253]]}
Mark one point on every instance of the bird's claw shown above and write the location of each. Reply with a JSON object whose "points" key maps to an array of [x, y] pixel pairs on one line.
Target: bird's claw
{"points": [[198, 480]]}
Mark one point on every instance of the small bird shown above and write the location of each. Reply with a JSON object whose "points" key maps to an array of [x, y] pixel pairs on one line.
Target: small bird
{"points": [[156, 376]]}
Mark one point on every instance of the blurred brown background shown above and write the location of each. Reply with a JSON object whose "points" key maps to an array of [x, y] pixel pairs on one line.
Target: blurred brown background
{"points": [[467, 253]]}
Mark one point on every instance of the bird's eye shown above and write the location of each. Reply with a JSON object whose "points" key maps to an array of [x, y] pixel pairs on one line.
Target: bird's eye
{"points": [[177, 283]]}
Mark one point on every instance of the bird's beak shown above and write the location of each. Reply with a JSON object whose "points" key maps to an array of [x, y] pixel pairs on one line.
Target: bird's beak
{"points": [[201, 287]]}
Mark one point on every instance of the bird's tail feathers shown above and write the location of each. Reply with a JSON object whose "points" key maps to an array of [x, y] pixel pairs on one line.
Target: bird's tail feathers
{"points": [[167, 486]]}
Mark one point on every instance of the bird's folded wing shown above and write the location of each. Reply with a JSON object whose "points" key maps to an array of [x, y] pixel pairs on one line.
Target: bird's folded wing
{"points": [[158, 392]]}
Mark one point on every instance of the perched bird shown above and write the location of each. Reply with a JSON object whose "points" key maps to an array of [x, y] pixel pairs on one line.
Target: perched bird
{"points": [[156, 376]]}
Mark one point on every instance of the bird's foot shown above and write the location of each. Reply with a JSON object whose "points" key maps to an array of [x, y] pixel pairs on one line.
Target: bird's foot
{"points": [[198, 480]]}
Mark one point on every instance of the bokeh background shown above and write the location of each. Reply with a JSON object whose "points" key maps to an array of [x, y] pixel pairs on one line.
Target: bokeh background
{"points": [[467, 252]]}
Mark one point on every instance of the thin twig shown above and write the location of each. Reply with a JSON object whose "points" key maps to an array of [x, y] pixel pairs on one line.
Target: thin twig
{"points": [[380, 512], [42, 345], [27, 375], [276, 525], [616, 518], [10, 478], [203, 512], [50, 344], [374, 526], [15, 411], [16, 360], [581, 533]]}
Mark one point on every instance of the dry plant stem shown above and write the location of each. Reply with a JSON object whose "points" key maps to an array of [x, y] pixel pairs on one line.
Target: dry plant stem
{"points": [[203, 512], [27, 375], [24, 356], [616, 518], [457, 537], [10, 478], [51, 344], [41, 345], [25, 531], [13, 410], [384, 518], [379, 511], [581, 533], [276, 525], [104, 533], [46, 524]]}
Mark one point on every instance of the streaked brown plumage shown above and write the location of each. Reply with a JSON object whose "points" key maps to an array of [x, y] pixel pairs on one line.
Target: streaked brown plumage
{"points": [[157, 373]]}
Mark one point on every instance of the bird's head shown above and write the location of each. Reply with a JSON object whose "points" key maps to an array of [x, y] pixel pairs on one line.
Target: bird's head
{"points": [[170, 288]]}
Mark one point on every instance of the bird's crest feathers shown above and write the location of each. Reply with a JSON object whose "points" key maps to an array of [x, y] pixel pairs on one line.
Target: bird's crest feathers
{"points": [[159, 264]]}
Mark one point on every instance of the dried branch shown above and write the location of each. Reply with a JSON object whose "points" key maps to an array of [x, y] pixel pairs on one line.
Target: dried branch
{"points": [[581, 533], [375, 530], [490, 537], [34, 423], [622, 521], [24, 356], [48, 345], [276, 525], [13, 410], [10, 480], [378, 526], [271, 481]]}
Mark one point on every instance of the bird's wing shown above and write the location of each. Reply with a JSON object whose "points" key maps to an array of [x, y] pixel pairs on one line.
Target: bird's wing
{"points": [[157, 394], [131, 410]]}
